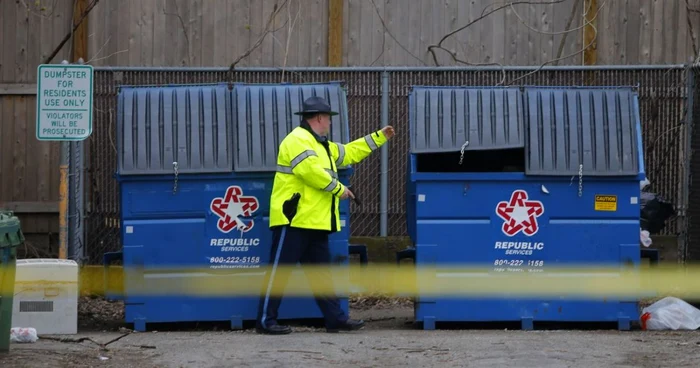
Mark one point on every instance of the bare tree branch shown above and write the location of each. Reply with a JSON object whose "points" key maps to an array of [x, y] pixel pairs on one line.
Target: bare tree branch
{"points": [[454, 57], [486, 13], [439, 46], [99, 51], [68, 35], [275, 10], [568, 24], [386, 29], [289, 35], [690, 30], [184, 30], [593, 40], [42, 8], [108, 56], [564, 32]]}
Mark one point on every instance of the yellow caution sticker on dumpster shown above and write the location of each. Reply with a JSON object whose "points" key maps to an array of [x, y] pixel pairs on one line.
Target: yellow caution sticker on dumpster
{"points": [[605, 202]]}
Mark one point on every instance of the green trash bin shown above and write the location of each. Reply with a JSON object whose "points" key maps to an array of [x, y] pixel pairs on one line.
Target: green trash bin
{"points": [[10, 237]]}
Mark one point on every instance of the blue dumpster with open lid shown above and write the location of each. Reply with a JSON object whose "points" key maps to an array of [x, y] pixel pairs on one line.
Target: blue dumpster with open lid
{"points": [[549, 177], [195, 171]]}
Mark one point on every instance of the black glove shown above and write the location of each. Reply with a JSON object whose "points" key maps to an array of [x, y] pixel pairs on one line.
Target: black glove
{"points": [[356, 198], [289, 208]]}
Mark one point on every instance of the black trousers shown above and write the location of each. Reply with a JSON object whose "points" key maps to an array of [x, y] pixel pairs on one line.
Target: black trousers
{"points": [[310, 247]]}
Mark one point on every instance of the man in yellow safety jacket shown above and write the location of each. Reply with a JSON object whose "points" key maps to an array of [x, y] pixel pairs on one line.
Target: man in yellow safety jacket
{"points": [[307, 166]]}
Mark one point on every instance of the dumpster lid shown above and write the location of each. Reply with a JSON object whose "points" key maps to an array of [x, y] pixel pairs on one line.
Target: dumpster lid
{"points": [[264, 115], [561, 129], [596, 127], [201, 126], [160, 125], [442, 119]]}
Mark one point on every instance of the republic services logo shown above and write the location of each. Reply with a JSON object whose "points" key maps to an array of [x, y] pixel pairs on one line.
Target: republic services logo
{"points": [[232, 207], [519, 214]]}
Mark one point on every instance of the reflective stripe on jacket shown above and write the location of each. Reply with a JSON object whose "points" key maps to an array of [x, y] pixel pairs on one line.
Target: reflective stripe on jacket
{"points": [[307, 164]]}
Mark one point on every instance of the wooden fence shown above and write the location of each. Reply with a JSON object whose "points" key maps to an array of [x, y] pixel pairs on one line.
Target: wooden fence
{"points": [[28, 174]]}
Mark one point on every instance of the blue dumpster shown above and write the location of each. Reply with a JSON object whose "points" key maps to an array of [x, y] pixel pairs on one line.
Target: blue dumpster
{"points": [[549, 178], [195, 171]]}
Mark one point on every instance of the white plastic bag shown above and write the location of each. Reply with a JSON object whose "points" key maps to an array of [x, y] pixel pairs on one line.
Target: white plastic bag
{"points": [[670, 314], [23, 335], [645, 238], [643, 184]]}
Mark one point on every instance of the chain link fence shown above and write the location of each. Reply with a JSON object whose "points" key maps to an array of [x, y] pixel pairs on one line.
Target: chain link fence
{"points": [[662, 93], [692, 251]]}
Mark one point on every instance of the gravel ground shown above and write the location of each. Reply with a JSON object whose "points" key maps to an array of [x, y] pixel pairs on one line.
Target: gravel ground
{"points": [[389, 340]]}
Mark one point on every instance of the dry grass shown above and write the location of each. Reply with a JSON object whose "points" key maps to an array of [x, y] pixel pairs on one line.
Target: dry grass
{"points": [[364, 301]]}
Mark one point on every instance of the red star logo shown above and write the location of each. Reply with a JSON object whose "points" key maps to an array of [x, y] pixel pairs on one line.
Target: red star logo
{"points": [[232, 207], [519, 214]]}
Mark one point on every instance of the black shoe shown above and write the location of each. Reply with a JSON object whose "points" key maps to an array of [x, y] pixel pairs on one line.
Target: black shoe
{"points": [[273, 330], [349, 325]]}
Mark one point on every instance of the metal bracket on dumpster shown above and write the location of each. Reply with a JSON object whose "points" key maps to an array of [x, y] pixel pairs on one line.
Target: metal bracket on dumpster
{"points": [[176, 172]]}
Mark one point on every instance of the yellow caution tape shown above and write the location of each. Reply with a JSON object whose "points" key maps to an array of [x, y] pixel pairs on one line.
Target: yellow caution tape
{"points": [[465, 281]]}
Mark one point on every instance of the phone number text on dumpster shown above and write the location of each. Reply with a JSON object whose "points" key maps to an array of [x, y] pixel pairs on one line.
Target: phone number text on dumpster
{"points": [[515, 265], [234, 262]]}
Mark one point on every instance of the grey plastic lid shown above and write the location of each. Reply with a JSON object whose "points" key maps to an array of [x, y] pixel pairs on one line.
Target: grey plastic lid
{"points": [[161, 126]]}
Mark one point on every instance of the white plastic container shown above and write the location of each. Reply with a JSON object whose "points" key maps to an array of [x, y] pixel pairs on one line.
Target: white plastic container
{"points": [[46, 296]]}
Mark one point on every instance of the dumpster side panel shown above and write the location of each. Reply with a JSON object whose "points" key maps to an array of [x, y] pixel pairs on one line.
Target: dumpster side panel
{"points": [[477, 198], [199, 234], [411, 199], [495, 229], [527, 311], [462, 227]]}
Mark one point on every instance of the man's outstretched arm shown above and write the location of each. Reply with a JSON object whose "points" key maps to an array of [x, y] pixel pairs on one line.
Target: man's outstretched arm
{"points": [[359, 149]]}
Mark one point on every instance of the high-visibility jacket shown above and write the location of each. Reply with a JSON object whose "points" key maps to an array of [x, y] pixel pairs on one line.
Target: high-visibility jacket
{"points": [[307, 164]]}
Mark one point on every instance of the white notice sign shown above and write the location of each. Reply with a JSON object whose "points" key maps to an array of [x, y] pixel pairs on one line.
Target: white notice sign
{"points": [[64, 102]]}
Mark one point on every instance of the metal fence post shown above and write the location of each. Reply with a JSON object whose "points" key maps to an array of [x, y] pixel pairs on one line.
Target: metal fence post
{"points": [[384, 179], [76, 244], [684, 239], [71, 201], [63, 192], [63, 201], [71, 194]]}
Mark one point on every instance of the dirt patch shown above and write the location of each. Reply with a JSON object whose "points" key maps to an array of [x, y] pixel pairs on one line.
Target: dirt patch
{"points": [[396, 318], [378, 301], [98, 314], [673, 348], [53, 354]]}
